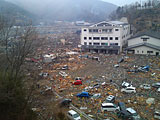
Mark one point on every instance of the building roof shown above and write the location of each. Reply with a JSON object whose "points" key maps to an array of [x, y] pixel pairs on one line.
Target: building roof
{"points": [[109, 23], [144, 44], [148, 33]]}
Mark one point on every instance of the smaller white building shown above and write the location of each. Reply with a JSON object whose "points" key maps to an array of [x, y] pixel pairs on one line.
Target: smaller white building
{"points": [[145, 43]]}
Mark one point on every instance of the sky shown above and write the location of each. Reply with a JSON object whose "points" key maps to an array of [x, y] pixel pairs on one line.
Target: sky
{"points": [[121, 2]]}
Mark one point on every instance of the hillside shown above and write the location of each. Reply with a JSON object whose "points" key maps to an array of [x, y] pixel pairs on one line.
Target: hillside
{"points": [[141, 19], [69, 10], [13, 12]]}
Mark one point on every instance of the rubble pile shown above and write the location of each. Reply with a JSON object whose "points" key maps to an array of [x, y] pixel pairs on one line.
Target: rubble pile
{"points": [[101, 75]]}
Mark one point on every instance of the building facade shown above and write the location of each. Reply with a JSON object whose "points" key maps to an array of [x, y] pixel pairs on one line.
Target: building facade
{"points": [[145, 43], [106, 37]]}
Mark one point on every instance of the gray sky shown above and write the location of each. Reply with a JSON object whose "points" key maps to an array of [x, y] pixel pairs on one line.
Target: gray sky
{"points": [[121, 2]]}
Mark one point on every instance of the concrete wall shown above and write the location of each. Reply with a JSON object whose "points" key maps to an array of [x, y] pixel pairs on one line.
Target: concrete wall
{"points": [[143, 50], [151, 40]]}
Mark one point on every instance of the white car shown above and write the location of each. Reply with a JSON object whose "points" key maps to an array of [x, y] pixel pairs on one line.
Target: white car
{"points": [[126, 84], [96, 96], [157, 115], [110, 99], [145, 86], [158, 90], [129, 90], [73, 115], [109, 107], [88, 88], [63, 74], [133, 113]]}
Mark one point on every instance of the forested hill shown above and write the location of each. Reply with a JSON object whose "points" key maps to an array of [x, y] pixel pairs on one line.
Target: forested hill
{"points": [[15, 13], [147, 18], [68, 10]]}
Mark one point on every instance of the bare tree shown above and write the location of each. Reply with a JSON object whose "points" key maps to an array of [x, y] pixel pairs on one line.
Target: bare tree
{"points": [[16, 43]]}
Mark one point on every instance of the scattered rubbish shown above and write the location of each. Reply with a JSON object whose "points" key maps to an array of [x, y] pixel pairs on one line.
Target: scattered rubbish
{"points": [[83, 108], [95, 58], [43, 74], [116, 65], [150, 101], [63, 74], [120, 60], [65, 67], [156, 85]]}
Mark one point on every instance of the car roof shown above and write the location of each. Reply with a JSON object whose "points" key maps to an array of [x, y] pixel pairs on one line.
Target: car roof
{"points": [[126, 113], [84, 92], [72, 112], [130, 110], [66, 99], [125, 83], [104, 104], [157, 83], [110, 97], [131, 87], [122, 105], [78, 80]]}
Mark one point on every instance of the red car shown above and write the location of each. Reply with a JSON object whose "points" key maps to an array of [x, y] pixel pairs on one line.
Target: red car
{"points": [[77, 82]]}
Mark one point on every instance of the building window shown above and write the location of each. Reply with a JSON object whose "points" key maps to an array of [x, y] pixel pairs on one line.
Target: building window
{"points": [[85, 30], [116, 38], [104, 38], [106, 44], [95, 30], [145, 39], [85, 43], [96, 38], [111, 38], [85, 38], [96, 44], [104, 30], [137, 51], [110, 30], [149, 52], [113, 44], [90, 43], [90, 38], [116, 29], [116, 44], [142, 51], [90, 30]]}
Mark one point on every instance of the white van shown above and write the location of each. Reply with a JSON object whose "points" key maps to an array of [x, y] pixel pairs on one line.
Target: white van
{"points": [[109, 107], [73, 115], [157, 115]]}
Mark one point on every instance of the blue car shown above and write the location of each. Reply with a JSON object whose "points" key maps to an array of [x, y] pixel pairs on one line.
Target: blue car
{"points": [[83, 94]]}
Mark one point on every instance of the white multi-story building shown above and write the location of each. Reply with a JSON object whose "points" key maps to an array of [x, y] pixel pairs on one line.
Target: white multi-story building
{"points": [[106, 37]]}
